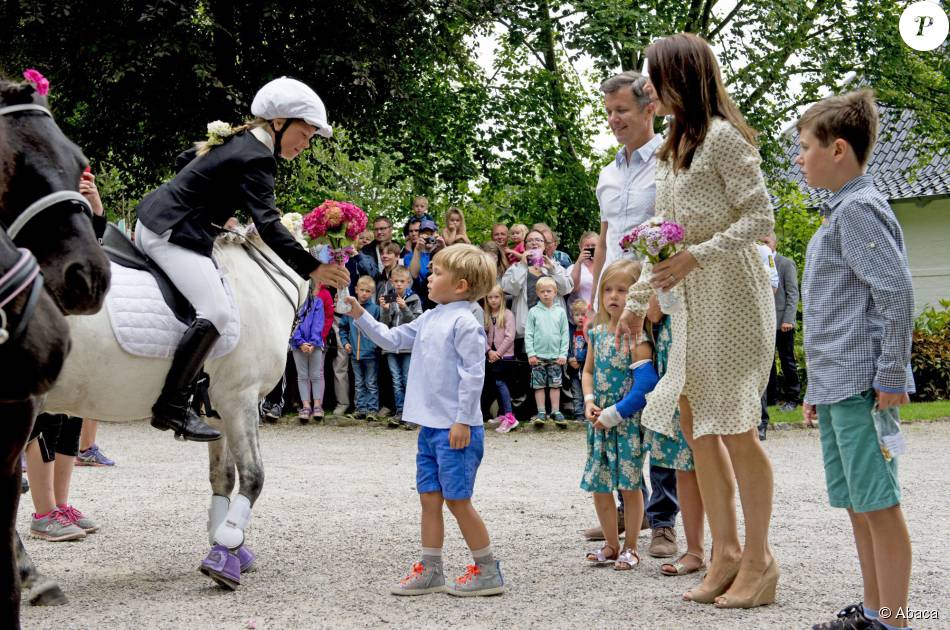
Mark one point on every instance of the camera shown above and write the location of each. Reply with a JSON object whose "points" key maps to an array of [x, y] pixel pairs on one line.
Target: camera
{"points": [[429, 240], [535, 257], [590, 251], [390, 296]]}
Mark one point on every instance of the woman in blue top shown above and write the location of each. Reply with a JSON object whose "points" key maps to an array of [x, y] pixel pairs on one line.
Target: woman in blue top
{"points": [[178, 222]]}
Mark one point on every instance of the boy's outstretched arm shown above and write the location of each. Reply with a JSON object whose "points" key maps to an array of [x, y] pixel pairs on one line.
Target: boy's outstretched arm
{"points": [[392, 339]]}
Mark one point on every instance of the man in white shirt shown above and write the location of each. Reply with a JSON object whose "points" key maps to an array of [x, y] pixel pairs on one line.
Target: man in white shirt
{"points": [[626, 189], [626, 192]]}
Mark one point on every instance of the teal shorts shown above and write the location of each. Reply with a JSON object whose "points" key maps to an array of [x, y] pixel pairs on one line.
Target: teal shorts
{"points": [[856, 473]]}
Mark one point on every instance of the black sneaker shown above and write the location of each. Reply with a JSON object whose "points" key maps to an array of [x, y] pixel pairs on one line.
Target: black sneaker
{"points": [[848, 618]]}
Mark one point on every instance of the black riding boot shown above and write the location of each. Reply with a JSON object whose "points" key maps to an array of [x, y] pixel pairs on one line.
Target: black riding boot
{"points": [[173, 411]]}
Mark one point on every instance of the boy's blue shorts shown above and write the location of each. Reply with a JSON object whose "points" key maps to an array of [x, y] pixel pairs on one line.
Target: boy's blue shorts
{"points": [[440, 468], [856, 473]]}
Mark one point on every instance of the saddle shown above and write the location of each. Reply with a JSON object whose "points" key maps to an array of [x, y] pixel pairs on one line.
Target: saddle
{"points": [[124, 253]]}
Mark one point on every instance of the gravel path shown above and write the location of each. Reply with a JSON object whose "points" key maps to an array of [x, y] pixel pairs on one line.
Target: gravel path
{"points": [[338, 522]]}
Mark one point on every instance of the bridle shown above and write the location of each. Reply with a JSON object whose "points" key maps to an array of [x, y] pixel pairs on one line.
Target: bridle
{"points": [[48, 201], [25, 273]]}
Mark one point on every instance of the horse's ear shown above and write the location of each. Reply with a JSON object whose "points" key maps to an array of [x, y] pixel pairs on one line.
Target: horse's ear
{"points": [[16, 93]]}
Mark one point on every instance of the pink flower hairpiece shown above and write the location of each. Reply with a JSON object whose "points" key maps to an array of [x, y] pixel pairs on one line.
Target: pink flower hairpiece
{"points": [[39, 82]]}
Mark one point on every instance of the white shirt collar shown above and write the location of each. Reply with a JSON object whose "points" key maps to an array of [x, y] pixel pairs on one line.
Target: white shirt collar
{"points": [[644, 152], [261, 134]]}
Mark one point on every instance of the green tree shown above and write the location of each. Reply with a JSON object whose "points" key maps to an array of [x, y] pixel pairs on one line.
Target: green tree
{"points": [[142, 79]]}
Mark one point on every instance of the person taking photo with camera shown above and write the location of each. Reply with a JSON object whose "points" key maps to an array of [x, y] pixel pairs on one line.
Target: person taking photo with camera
{"points": [[428, 243], [582, 272]]}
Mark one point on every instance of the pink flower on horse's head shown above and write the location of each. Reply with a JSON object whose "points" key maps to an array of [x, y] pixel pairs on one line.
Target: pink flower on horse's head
{"points": [[40, 83]]}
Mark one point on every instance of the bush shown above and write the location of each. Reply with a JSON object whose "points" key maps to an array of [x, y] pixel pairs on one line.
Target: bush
{"points": [[930, 359]]}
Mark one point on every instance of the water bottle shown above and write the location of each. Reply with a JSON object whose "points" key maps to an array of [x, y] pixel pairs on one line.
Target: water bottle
{"points": [[888, 426]]}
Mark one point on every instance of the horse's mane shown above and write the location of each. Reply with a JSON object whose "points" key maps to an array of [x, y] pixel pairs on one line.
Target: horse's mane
{"points": [[18, 93], [6, 160], [12, 93], [247, 231]]}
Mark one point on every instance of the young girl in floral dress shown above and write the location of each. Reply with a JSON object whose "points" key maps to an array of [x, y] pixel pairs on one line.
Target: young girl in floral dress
{"points": [[615, 385]]}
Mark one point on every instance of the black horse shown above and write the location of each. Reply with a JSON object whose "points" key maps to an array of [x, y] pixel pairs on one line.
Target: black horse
{"points": [[42, 212]]}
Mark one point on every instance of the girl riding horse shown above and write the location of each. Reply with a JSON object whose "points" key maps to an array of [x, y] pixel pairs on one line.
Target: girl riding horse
{"points": [[177, 224]]}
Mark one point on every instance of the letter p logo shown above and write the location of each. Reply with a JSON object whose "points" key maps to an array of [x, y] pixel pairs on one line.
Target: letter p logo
{"points": [[923, 26]]}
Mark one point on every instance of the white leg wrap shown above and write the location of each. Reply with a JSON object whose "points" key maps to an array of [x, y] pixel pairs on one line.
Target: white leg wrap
{"points": [[230, 533], [216, 514]]}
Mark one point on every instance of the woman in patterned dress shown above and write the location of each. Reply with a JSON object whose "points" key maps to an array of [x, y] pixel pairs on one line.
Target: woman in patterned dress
{"points": [[709, 181]]}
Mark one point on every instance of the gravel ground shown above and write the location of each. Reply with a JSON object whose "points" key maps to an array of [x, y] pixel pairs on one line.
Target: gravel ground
{"points": [[337, 523]]}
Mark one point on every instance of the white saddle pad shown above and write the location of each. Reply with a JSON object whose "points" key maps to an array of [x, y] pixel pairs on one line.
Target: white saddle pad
{"points": [[145, 326]]}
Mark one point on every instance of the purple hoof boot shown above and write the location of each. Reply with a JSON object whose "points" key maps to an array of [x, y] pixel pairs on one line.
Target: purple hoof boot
{"points": [[223, 567], [246, 558]]}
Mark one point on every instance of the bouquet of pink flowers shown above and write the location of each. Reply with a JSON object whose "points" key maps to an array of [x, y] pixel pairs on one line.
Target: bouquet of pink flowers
{"points": [[337, 223], [656, 239]]}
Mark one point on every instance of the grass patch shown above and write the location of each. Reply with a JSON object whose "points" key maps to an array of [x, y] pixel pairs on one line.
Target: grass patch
{"points": [[914, 412]]}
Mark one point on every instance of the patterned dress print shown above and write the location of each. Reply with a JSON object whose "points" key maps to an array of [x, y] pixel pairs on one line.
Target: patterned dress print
{"points": [[615, 455], [724, 340], [666, 451]]}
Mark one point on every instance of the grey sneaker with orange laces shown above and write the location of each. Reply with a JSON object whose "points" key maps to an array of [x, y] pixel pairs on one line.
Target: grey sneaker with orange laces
{"points": [[479, 580], [422, 580]]}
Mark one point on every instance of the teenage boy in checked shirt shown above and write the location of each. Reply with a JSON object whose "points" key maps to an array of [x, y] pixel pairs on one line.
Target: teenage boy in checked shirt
{"points": [[443, 397], [858, 317]]}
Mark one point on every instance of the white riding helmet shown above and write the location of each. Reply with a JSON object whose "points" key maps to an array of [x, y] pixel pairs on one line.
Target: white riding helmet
{"points": [[289, 98]]}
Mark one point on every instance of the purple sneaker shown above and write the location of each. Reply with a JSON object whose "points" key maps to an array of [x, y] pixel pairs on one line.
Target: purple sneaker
{"points": [[223, 567], [92, 456], [246, 558]]}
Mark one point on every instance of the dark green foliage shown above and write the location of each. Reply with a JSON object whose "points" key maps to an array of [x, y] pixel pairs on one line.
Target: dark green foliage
{"points": [[134, 83], [930, 360]]}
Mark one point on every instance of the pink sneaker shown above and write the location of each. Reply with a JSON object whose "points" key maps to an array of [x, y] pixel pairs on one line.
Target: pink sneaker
{"points": [[508, 422]]}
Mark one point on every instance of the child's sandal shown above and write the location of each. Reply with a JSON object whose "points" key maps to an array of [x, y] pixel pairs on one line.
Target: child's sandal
{"points": [[600, 558], [628, 559]]}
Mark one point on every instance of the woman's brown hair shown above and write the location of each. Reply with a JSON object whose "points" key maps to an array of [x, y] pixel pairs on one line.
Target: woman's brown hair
{"points": [[686, 78]]}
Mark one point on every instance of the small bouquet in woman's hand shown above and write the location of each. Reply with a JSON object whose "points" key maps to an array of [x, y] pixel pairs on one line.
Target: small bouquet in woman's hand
{"points": [[338, 223], [656, 239]]}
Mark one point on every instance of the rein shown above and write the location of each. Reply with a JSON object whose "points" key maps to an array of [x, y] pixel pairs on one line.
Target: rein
{"points": [[48, 201], [259, 257], [23, 274]]}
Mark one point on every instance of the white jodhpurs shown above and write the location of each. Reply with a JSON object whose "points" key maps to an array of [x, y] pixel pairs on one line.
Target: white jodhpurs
{"points": [[193, 274]]}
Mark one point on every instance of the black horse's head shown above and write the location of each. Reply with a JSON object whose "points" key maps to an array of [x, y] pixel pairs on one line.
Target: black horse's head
{"points": [[44, 162], [34, 332]]}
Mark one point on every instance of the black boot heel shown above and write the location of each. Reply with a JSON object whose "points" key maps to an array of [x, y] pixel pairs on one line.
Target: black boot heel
{"points": [[173, 409]]}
